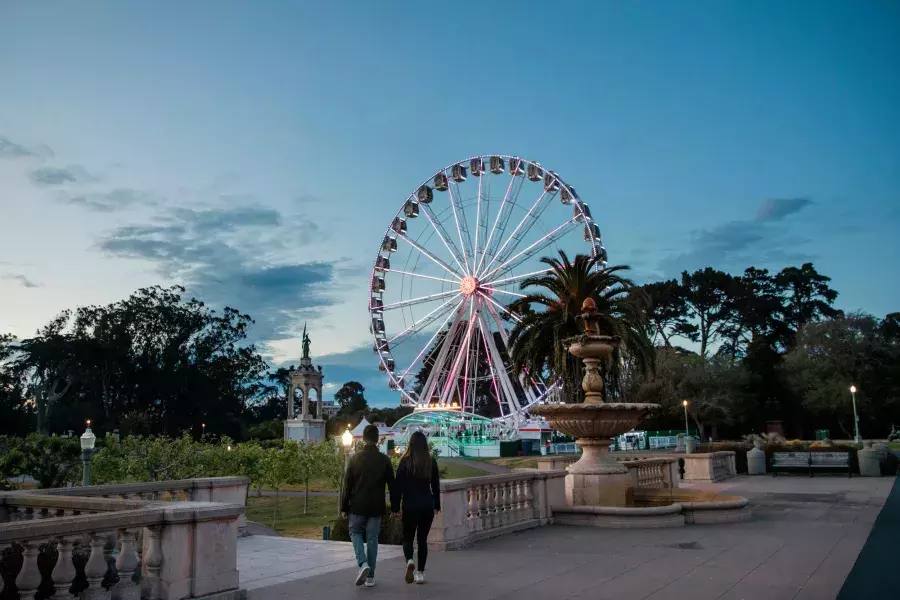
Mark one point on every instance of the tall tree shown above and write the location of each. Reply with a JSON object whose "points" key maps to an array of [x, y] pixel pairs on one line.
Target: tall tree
{"points": [[668, 313], [351, 398], [809, 297], [173, 360], [754, 308], [706, 294], [537, 340]]}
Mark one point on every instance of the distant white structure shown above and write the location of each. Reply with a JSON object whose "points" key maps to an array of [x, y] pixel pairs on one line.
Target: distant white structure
{"points": [[310, 426]]}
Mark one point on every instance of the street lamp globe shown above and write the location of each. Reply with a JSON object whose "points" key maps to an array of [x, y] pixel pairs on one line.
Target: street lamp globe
{"points": [[852, 389], [347, 438], [684, 402], [88, 439]]}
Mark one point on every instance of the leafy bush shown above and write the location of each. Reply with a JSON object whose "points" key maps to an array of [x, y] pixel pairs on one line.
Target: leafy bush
{"points": [[52, 461]]}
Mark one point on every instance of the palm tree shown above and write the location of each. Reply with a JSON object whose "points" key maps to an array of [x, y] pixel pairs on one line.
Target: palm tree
{"points": [[537, 340]]}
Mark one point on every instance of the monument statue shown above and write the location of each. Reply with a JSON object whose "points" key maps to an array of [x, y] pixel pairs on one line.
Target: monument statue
{"points": [[306, 341]]}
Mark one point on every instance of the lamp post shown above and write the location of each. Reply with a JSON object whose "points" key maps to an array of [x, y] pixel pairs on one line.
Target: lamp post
{"points": [[347, 441], [684, 403], [202, 431], [88, 439], [857, 439]]}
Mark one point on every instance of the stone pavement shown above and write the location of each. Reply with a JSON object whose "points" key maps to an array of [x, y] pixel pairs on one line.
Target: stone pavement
{"points": [[265, 561], [801, 544]]}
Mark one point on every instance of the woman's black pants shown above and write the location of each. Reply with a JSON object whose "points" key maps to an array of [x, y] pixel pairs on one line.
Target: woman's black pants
{"points": [[417, 527]]}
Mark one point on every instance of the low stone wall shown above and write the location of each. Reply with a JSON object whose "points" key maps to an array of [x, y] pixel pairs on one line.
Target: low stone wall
{"points": [[128, 542], [479, 508]]}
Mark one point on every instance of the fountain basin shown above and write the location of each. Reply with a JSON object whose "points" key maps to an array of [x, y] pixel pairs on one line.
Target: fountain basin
{"points": [[659, 508]]}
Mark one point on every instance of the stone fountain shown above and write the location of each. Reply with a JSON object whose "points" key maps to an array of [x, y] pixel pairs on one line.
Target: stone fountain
{"points": [[596, 479]]}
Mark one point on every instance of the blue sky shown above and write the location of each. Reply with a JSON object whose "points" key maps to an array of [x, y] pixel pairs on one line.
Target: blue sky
{"points": [[256, 151]]}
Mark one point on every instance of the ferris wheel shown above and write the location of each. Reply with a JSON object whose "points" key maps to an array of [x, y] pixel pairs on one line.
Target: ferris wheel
{"points": [[446, 279]]}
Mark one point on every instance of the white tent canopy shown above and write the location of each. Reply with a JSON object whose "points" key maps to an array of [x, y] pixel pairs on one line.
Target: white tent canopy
{"points": [[358, 430]]}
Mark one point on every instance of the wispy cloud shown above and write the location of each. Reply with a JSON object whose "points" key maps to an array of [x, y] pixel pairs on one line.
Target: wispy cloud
{"points": [[225, 257], [776, 209], [48, 176], [23, 280], [111, 201], [10, 150], [737, 244]]}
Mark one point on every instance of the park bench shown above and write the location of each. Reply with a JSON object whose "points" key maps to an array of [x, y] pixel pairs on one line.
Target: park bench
{"points": [[810, 461]]}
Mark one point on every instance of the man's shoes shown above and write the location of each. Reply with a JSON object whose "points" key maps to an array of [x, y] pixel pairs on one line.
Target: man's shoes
{"points": [[370, 582], [363, 574], [410, 570]]}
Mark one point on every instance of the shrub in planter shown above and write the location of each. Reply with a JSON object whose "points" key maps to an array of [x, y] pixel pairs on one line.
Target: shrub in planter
{"points": [[739, 448], [391, 530], [889, 463]]}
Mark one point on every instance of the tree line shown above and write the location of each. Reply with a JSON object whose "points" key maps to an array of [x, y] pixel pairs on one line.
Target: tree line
{"points": [[742, 349]]}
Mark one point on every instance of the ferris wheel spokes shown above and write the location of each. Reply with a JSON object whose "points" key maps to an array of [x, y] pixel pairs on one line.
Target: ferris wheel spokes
{"points": [[433, 337], [411, 274], [419, 300], [429, 255], [511, 314], [514, 278], [427, 319], [531, 250], [461, 226], [512, 236], [487, 245], [442, 235]]}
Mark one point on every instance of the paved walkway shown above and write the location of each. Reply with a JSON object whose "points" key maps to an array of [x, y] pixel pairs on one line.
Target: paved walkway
{"points": [[876, 569], [801, 544]]}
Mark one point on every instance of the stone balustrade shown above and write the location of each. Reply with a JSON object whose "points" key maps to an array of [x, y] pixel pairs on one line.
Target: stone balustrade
{"points": [[647, 471], [479, 508], [653, 473], [106, 543]]}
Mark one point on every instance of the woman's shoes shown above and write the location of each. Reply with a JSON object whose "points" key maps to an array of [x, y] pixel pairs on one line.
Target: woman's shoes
{"points": [[410, 570], [419, 577]]}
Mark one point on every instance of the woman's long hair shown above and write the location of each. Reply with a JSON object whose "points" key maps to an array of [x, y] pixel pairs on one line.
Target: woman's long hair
{"points": [[418, 456]]}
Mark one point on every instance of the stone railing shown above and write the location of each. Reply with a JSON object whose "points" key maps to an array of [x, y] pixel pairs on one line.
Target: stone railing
{"points": [[479, 508], [116, 548], [653, 473], [228, 490]]}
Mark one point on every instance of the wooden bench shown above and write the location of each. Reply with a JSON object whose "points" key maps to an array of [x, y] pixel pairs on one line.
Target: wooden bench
{"points": [[810, 461]]}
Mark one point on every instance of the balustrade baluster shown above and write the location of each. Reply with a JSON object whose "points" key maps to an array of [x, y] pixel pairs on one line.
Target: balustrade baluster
{"points": [[529, 500], [471, 508], [126, 564], [29, 578], [96, 568], [3, 548], [150, 582], [492, 495], [502, 504], [63, 573]]}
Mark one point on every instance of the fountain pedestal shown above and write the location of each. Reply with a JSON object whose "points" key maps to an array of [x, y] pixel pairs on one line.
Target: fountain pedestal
{"points": [[596, 479]]}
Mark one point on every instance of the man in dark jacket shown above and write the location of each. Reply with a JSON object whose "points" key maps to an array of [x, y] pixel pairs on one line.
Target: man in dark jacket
{"points": [[363, 500]]}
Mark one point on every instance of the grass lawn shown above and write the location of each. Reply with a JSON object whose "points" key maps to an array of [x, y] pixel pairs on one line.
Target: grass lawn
{"points": [[894, 445], [516, 462], [456, 470], [291, 521]]}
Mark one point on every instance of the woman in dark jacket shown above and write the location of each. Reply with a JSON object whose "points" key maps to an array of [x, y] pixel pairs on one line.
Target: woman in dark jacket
{"points": [[417, 492]]}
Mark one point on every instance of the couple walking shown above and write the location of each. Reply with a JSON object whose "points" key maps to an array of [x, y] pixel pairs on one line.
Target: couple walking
{"points": [[415, 491]]}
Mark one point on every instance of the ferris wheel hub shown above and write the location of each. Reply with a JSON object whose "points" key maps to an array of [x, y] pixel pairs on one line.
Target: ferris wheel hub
{"points": [[468, 285]]}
